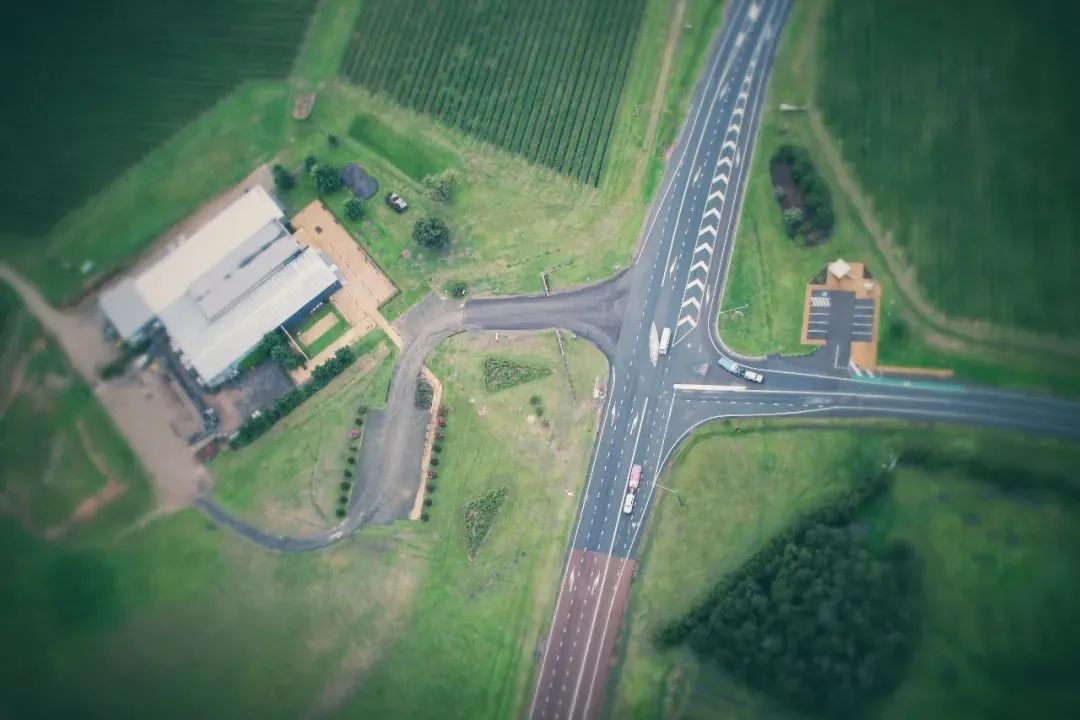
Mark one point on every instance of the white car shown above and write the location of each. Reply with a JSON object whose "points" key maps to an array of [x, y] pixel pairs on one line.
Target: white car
{"points": [[628, 503], [753, 376]]}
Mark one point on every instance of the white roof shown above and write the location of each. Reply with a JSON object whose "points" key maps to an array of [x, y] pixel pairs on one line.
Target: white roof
{"points": [[170, 277], [839, 268], [124, 307], [212, 346]]}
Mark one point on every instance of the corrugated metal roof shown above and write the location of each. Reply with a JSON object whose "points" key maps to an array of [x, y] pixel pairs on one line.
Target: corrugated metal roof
{"points": [[125, 308], [243, 269], [171, 276], [212, 346]]}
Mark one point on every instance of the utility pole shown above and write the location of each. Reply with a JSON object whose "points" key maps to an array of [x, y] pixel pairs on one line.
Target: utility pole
{"points": [[673, 492]]}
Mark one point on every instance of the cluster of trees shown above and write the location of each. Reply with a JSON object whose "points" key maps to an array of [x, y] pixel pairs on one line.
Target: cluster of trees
{"points": [[253, 427], [326, 177], [818, 617], [278, 348], [431, 233], [814, 218]]}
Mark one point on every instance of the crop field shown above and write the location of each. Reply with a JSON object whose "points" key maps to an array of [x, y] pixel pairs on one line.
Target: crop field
{"points": [[542, 80], [959, 121], [98, 87]]}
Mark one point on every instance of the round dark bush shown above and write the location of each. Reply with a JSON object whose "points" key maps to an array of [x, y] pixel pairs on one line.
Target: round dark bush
{"points": [[362, 409], [351, 459], [346, 485], [425, 517], [427, 502], [348, 474], [344, 499], [436, 448], [359, 421], [431, 488], [340, 512], [434, 461]]}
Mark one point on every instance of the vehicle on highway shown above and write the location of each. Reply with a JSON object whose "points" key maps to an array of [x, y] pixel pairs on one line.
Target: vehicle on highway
{"points": [[635, 477], [628, 503], [665, 341], [739, 371], [395, 201]]}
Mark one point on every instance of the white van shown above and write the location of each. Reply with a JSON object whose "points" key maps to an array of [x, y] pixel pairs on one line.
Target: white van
{"points": [[665, 341], [628, 503]]}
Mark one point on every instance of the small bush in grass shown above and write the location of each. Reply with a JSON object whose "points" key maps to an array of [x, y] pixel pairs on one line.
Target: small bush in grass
{"points": [[425, 517], [434, 462], [362, 410], [344, 499], [479, 515], [457, 289], [431, 488], [440, 436], [443, 411], [351, 460], [427, 502], [346, 485], [348, 474], [424, 394], [340, 512], [432, 474], [539, 411], [359, 422], [436, 448], [535, 401], [501, 373]]}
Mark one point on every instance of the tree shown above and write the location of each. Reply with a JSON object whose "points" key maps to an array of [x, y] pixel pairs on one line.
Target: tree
{"points": [[326, 177], [333, 140], [441, 187], [353, 208], [793, 218], [458, 289], [309, 162], [283, 179], [431, 233]]}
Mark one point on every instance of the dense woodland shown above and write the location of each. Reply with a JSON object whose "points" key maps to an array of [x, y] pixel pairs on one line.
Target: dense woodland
{"points": [[819, 618]]}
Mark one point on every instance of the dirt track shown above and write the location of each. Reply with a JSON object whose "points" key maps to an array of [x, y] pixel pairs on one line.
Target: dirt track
{"points": [[175, 473]]}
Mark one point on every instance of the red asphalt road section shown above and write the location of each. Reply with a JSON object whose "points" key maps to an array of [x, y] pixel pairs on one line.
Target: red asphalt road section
{"points": [[581, 646]]}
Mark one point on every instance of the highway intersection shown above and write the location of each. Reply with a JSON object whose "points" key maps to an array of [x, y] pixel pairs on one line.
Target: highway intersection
{"points": [[655, 399]]}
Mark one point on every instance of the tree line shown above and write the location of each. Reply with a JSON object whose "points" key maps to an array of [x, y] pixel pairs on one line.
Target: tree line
{"points": [[820, 617]]}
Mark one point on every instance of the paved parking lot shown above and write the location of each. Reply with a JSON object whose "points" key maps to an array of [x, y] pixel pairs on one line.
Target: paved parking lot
{"points": [[862, 320], [817, 324]]}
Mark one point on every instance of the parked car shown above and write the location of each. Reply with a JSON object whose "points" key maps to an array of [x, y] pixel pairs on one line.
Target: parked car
{"points": [[753, 376], [397, 202]]}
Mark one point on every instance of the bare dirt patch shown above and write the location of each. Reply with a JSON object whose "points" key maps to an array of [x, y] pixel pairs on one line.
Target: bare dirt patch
{"points": [[91, 505]]}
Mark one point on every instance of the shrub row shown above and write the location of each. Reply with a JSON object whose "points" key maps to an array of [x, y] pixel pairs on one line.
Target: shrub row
{"points": [[501, 373], [253, 427], [479, 516]]}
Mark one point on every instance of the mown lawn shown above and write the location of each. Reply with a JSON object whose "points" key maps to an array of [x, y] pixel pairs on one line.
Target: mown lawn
{"points": [[998, 621], [470, 649], [958, 121], [179, 618], [762, 307]]}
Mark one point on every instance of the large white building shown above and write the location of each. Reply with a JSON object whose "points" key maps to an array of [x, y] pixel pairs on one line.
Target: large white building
{"points": [[220, 291]]}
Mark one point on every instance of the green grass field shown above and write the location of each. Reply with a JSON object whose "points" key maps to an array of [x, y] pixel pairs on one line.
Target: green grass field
{"points": [[540, 80], [329, 336], [957, 119], [180, 617], [998, 632], [503, 204], [97, 89], [769, 272], [57, 446]]}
